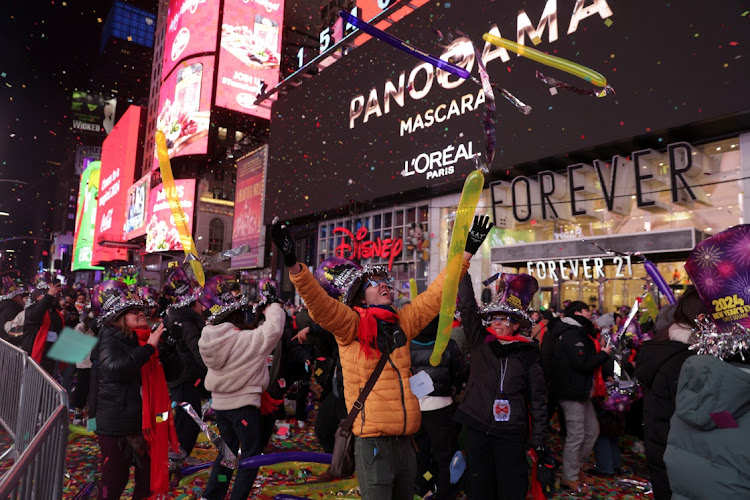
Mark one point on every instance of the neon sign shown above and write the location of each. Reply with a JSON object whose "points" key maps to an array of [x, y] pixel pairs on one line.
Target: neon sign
{"points": [[358, 248]]}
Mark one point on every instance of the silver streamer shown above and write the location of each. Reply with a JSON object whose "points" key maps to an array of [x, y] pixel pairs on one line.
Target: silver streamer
{"points": [[721, 344], [228, 254], [228, 459]]}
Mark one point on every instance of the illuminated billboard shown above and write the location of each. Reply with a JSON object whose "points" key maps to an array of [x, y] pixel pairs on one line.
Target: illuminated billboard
{"points": [[83, 239], [136, 208], [250, 54], [248, 208], [161, 232], [185, 108], [191, 30], [409, 129], [119, 158], [92, 113]]}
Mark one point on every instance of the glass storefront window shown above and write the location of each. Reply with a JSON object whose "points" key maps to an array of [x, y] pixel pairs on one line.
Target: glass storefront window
{"points": [[409, 226]]}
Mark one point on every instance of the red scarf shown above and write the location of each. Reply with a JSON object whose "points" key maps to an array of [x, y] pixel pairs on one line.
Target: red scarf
{"points": [[600, 388], [507, 338], [40, 341], [368, 328], [158, 431]]}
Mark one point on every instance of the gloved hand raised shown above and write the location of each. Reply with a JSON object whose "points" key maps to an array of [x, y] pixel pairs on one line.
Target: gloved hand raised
{"points": [[478, 233], [545, 470], [282, 238]]}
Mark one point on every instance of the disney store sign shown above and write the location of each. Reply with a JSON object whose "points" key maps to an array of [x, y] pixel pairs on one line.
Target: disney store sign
{"points": [[356, 246]]}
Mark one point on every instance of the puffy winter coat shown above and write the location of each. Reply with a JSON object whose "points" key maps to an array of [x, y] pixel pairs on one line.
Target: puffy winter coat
{"points": [[575, 360], [391, 409], [236, 359], [523, 385], [35, 314], [189, 325], [658, 370], [447, 376], [118, 361], [708, 451]]}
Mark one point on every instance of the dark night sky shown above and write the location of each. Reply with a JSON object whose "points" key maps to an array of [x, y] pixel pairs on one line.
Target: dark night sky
{"points": [[48, 47]]}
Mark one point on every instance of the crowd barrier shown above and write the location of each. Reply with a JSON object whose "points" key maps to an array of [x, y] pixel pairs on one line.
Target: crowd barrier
{"points": [[34, 412]]}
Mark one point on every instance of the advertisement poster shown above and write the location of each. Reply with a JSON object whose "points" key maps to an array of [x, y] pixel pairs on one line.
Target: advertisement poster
{"points": [[191, 29], [136, 208], [83, 239], [248, 209], [161, 232], [119, 156], [250, 54], [414, 129], [185, 108], [92, 113]]}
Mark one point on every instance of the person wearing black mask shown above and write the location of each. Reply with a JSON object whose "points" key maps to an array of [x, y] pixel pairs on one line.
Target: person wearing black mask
{"points": [[43, 322], [577, 377]]}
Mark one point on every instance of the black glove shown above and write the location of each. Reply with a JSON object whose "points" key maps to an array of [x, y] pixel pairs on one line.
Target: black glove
{"points": [[168, 343], [478, 233], [282, 238], [545, 470]]}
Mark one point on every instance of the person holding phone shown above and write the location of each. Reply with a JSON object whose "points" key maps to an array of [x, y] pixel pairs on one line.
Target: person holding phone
{"points": [[133, 411], [43, 321]]}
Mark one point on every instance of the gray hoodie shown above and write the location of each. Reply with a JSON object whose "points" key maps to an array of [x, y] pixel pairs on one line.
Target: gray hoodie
{"points": [[708, 450]]}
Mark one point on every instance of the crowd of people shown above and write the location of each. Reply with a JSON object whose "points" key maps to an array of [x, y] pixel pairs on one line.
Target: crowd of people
{"points": [[472, 422]]}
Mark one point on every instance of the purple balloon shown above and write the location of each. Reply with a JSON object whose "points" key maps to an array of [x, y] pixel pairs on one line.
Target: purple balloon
{"points": [[659, 281], [270, 459], [85, 492], [284, 496], [402, 45]]}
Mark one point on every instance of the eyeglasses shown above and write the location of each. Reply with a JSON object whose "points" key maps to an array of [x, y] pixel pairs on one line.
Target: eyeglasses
{"points": [[137, 312], [505, 320], [377, 281]]}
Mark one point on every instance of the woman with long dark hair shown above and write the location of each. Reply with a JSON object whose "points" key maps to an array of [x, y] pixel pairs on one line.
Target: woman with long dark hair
{"points": [[658, 370], [133, 410]]}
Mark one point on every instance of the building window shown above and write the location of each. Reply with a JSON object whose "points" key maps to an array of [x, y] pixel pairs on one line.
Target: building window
{"points": [[216, 236]]}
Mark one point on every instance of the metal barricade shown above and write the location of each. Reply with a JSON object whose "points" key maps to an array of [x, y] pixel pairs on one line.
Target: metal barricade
{"points": [[12, 370], [39, 430]]}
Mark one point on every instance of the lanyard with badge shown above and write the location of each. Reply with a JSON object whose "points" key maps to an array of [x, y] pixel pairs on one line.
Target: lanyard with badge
{"points": [[501, 407]]}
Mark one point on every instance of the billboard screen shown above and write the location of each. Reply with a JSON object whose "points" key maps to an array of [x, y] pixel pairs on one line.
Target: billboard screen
{"points": [[185, 108], [136, 208], [161, 232], [250, 54], [191, 30], [380, 123], [248, 208], [92, 113], [83, 239], [119, 157]]}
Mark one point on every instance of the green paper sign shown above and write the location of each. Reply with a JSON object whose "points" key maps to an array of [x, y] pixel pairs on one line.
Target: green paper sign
{"points": [[72, 346]]}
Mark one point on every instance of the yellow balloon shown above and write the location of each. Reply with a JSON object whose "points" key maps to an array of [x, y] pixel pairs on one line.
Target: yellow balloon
{"points": [[413, 292], [556, 62], [466, 207], [180, 219]]}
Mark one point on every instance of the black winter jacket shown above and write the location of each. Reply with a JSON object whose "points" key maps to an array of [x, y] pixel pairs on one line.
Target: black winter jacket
{"points": [[575, 360], [658, 370], [118, 362], [523, 385], [451, 374], [9, 309], [35, 316], [188, 325]]}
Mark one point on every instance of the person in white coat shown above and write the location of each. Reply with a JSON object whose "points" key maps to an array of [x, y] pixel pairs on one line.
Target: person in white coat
{"points": [[237, 375]]}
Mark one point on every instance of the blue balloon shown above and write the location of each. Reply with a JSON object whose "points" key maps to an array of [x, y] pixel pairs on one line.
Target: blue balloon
{"points": [[458, 466]]}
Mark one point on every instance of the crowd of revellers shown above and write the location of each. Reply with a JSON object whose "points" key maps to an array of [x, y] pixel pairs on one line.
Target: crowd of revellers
{"points": [[477, 421]]}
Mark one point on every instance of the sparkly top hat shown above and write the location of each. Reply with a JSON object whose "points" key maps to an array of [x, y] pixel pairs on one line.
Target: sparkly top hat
{"points": [[218, 299], [111, 297], [515, 292], [42, 280], [10, 289], [720, 269], [148, 295], [342, 278], [179, 289]]}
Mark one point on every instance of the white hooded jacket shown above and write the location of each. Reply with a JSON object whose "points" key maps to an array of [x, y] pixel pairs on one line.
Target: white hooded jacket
{"points": [[236, 359]]}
